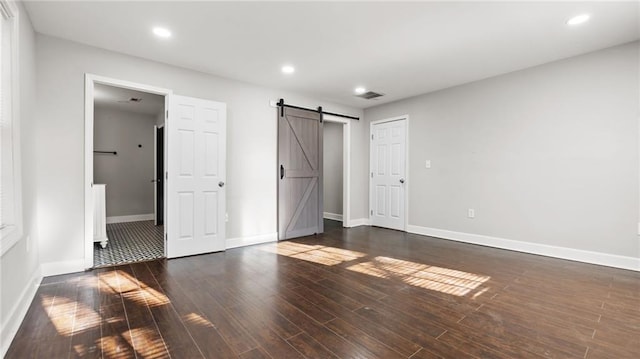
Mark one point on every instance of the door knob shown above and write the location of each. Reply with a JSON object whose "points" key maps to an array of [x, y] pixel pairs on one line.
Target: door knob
{"points": [[401, 180], [220, 184]]}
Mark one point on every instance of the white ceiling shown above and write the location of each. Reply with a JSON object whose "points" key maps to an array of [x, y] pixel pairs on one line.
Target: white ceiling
{"points": [[117, 98], [400, 49]]}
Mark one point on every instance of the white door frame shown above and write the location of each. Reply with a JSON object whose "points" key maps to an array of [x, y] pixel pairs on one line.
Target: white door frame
{"points": [[406, 165], [90, 81], [346, 166]]}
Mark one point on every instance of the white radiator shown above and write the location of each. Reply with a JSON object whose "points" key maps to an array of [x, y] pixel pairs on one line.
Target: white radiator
{"points": [[100, 215]]}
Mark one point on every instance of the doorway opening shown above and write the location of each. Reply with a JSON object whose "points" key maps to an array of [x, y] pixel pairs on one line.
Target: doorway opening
{"points": [[125, 153], [335, 171], [126, 127]]}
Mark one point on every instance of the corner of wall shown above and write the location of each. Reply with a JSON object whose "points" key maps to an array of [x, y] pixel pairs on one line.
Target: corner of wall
{"points": [[9, 327]]}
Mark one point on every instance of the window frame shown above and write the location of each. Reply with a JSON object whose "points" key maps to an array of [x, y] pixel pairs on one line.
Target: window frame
{"points": [[13, 232]]}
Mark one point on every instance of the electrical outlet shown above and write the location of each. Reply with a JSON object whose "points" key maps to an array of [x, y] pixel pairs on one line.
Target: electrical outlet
{"points": [[471, 213], [226, 217], [427, 164]]}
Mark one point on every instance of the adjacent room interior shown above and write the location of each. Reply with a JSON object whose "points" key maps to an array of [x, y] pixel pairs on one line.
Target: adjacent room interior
{"points": [[127, 158], [319, 179]]}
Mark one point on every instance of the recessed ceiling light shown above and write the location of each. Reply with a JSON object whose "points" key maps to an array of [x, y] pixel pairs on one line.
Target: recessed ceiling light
{"points": [[288, 69], [577, 20], [161, 32], [360, 90]]}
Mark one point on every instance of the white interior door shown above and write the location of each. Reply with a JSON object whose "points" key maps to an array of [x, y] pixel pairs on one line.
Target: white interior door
{"points": [[196, 152], [387, 190]]}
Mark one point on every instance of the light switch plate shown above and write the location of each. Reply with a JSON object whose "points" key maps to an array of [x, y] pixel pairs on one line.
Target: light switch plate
{"points": [[427, 164]]}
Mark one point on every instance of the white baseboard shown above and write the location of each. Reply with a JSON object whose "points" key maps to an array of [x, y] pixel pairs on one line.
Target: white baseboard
{"points": [[333, 216], [251, 240], [10, 326], [609, 260], [132, 218], [65, 267], [358, 222]]}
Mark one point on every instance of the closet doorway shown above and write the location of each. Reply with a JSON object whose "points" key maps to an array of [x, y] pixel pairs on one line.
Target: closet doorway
{"points": [[128, 167], [336, 168]]}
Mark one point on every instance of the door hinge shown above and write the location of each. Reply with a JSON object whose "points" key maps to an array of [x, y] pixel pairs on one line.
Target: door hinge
{"points": [[166, 175], [371, 174], [167, 114], [371, 137], [372, 212]]}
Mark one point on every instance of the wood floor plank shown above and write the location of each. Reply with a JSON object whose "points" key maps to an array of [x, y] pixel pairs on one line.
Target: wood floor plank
{"points": [[310, 348], [354, 334]]}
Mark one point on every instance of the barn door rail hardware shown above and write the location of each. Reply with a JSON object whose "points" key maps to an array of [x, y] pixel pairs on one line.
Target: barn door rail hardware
{"points": [[282, 105]]}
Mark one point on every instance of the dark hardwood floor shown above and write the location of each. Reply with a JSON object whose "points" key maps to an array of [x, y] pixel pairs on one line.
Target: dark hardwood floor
{"points": [[358, 293]]}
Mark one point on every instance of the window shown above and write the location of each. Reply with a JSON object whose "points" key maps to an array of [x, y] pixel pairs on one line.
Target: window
{"points": [[10, 195]]}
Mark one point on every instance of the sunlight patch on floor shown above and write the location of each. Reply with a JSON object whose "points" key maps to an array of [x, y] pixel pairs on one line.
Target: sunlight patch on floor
{"points": [[197, 319], [120, 282], [444, 280], [146, 342], [313, 253], [69, 316], [114, 347]]}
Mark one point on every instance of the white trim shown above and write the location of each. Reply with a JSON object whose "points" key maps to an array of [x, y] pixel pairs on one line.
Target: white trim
{"points": [[12, 234], [346, 164], [333, 216], [251, 240], [16, 315], [358, 222], [406, 166], [131, 218], [8, 9], [64, 267], [90, 81], [155, 174], [605, 259]]}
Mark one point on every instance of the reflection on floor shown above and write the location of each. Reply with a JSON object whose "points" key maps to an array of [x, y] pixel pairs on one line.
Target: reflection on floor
{"points": [[130, 242]]}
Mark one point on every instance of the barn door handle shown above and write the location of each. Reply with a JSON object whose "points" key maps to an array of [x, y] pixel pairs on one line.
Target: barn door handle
{"points": [[281, 171]]}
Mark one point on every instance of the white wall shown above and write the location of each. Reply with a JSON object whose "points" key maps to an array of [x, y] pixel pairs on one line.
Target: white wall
{"points": [[19, 269], [332, 167], [251, 151], [128, 175], [546, 155]]}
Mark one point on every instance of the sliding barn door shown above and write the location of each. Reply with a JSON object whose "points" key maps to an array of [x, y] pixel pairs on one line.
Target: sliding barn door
{"points": [[196, 144], [299, 173]]}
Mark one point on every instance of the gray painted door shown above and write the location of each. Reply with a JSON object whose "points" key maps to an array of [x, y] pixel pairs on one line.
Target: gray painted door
{"points": [[299, 173]]}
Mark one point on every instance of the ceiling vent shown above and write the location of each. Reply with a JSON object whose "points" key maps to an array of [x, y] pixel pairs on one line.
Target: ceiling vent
{"points": [[370, 95]]}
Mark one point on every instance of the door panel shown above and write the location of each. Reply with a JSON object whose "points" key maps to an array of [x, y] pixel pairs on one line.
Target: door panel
{"points": [[300, 173], [388, 174], [196, 131]]}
